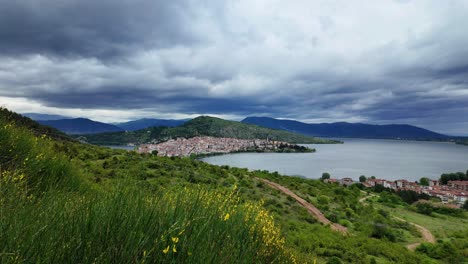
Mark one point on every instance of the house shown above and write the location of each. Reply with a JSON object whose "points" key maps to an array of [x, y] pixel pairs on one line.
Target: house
{"points": [[458, 185], [434, 183], [346, 181], [401, 183]]}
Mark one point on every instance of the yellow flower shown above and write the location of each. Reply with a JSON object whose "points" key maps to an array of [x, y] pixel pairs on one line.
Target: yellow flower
{"points": [[166, 250], [174, 249], [175, 239], [226, 217]]}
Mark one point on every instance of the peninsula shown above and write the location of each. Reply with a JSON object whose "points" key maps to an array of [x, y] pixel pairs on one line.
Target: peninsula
{"points": [[182, 147]]}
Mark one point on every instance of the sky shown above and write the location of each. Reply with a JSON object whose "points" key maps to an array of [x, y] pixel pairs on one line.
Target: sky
{"points": [[378, 62]]}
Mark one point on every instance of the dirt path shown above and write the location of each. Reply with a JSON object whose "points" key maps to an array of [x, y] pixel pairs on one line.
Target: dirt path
{"points": [[427, 236], [310, 208]]}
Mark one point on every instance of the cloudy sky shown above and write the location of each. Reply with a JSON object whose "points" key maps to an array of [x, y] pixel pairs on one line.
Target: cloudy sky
{"points": [[315, 61]]}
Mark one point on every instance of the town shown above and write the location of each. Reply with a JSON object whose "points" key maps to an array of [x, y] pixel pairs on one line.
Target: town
{"points": [[183, 147], [454, 192]]}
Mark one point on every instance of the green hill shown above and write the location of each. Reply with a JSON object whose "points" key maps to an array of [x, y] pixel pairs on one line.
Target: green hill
{"points": [[66, 202], [26, 122], [200, 126]]}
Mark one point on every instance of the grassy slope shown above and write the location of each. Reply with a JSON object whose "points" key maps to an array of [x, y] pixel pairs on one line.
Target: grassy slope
{"points": [[201, 126], [102, 172]]}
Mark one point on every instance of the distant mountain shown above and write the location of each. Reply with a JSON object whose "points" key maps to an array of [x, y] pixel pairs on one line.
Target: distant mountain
{"points": [[200, 126], [343, 129], [36, 116], [80, 126], [150, 122], [8, 116]]}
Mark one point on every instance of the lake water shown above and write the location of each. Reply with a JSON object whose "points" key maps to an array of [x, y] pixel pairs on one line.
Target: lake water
{"points": [[388, 159], [121, 147]]}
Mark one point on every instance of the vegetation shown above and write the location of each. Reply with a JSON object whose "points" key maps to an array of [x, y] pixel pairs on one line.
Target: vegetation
{"points": [[66, 202], [200, 126], [325, 176], [424, 181], [457, 176], [462, 141]]}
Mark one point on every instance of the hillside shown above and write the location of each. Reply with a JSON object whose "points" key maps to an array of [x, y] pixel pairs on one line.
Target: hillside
{"points": [[37, 129], [80, 126], [200, 126], [66, 202], [343, 129], [150, 122]]}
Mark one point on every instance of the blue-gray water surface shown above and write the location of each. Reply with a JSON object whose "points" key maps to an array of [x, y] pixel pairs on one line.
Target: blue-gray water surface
{"points": [[387, 159]]}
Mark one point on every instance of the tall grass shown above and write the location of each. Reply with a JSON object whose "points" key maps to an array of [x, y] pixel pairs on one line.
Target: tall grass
{"points": [[129, 226], [46, 216]]}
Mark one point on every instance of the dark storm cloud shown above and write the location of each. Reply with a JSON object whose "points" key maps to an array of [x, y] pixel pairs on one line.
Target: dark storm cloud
{"points": [[91, 28], [317, 61]]}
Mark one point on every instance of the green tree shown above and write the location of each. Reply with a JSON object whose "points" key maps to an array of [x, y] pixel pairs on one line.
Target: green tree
{"points": [[362, 178], [372, 177], [465, 206], [424, 181], [325, 175]]}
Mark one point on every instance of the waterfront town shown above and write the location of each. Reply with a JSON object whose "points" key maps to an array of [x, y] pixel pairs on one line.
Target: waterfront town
{"points": [[454, 192], [185, 147]]}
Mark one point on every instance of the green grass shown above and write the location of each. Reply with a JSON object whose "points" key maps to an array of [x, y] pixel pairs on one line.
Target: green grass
{"points": [[69, 202], [49, 213], [441, 226]]}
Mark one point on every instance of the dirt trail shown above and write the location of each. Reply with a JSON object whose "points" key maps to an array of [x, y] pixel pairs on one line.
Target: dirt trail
{"points": [[427, 236], [312, 209]]}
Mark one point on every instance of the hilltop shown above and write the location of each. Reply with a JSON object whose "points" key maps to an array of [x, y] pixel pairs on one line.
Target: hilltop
{"points": [[200, 126], [344, 129], [150, 122]]}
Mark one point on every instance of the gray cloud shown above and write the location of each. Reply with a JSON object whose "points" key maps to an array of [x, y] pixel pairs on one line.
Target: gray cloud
{"points": [[391, 62]]}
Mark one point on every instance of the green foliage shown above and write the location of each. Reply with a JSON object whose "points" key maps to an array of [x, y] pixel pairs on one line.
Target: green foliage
{"points": [[424, 181], [410, 196], [427, 209], [8, 117], [457, 176], [325, 175], [465, 205], [362, 178], [120, 206], [200, 126]]}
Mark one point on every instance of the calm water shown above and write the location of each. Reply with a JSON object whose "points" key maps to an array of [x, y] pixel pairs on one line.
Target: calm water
{"points": [[121, 147], [388, 159]]}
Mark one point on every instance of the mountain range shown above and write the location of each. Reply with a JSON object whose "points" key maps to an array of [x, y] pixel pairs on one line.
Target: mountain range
{"points": [[150, 122], [347, 130], [200, 126], [336, 130], [80, 126]]}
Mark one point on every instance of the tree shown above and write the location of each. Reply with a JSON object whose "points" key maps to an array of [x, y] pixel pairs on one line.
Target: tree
{"points": [[465, 206], [362, 178], [325, 175], [372, 177], [424, 181]]}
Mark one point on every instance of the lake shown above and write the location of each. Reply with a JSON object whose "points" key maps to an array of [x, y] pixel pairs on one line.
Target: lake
{"points": [[388, 159]]}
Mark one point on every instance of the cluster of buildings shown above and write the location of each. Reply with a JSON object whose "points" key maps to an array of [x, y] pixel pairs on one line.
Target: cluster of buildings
{"points": [[455, 192], [184, 147]]}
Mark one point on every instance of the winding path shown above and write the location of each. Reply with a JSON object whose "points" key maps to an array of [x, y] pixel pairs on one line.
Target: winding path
{"points": [[308, 206], [427, 236]]}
